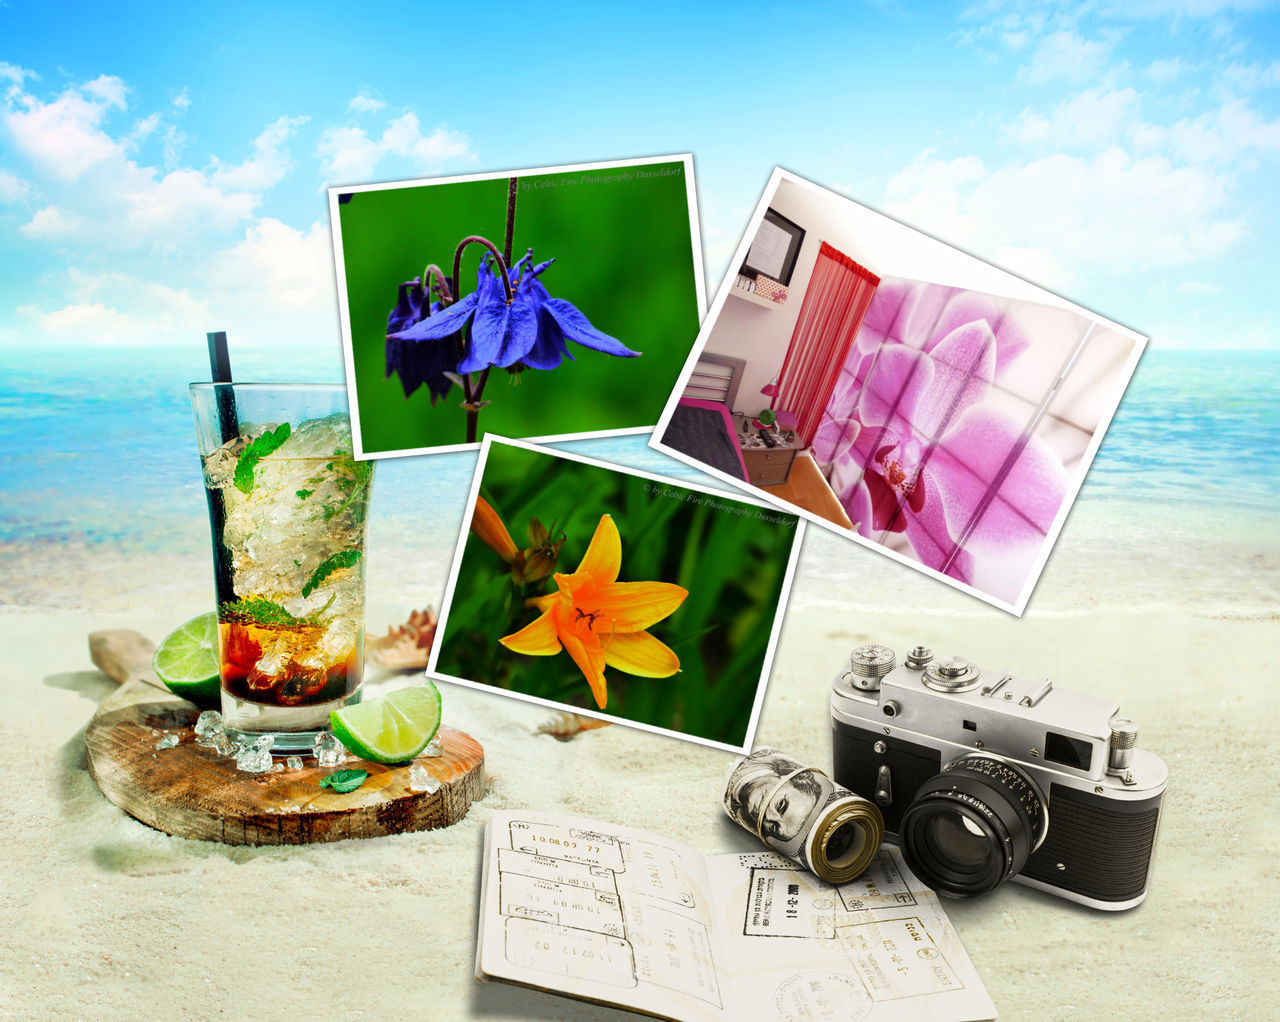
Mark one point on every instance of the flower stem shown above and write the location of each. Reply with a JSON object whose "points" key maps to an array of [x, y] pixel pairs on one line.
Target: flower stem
{"points": [[471, 395], [493, 250], [442, 284], [507, 244]]}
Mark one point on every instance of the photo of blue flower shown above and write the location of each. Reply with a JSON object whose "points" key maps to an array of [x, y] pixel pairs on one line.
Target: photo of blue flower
{"points": [[442, 339]]}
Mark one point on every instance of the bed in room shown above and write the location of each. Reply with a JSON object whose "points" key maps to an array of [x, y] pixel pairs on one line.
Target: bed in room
{"points": [[702, 424]]}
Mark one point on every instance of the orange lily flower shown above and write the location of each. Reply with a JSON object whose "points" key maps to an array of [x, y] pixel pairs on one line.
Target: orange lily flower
{"points": [[487, 525], [600, 620]]}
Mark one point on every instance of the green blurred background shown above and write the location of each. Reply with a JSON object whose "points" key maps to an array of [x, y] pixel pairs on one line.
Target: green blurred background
{"points": [[624, 256], [733, 566]]}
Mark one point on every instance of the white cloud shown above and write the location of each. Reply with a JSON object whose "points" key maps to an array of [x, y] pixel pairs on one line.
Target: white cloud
{"points": [[268, 164], [1165, 71], [15, 76], [1088, 119], [364, 103], [280, 268], [100, 195], [118, 309], [351, 155], [12, 187], [1217, 136], [1111, 212], [182, 101], [1248, 77], [162, 251], [930, 194], [65, 137], [273, 288], [158, 207], [51, 223], [1064, 55]]}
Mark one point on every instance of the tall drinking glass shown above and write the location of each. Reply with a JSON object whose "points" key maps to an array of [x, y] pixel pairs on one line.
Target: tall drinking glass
{"points": [[287, 509]]}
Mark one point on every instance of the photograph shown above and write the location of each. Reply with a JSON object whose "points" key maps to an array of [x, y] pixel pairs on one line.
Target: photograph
{"points": [[536, 304], [899, 391], [616, 594]]}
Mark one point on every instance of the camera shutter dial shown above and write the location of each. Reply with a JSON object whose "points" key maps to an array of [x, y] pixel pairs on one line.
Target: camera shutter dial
{"points": [[868, 664], [952, 674]]}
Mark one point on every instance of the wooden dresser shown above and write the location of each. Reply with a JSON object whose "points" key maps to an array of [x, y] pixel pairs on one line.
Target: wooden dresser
{"points": [[766, 466]]}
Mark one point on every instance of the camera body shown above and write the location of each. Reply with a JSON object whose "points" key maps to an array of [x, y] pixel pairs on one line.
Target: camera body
{"points": [[983, 777]]}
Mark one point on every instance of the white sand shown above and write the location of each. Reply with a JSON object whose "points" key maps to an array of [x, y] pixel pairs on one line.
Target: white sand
{"points": [[104, 918]]}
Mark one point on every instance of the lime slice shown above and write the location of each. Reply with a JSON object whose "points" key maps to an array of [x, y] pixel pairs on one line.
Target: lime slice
{"points": [[187, 661], [392, 729]]}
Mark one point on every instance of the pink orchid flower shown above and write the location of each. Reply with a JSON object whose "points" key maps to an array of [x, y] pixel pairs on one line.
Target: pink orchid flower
{"points": [[922, 449]]}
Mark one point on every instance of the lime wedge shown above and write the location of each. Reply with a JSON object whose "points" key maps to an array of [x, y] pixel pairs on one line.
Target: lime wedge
{"points": [[187, 661], [392, 729]]}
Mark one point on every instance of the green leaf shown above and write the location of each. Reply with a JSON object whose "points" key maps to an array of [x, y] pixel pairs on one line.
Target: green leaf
{"points": [[342, 559], [304, 494], [343, 781], [259, 447], [257, 610]]}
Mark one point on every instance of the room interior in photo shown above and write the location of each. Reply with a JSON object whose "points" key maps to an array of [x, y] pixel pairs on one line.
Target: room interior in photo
{"points": [[901, 390]]}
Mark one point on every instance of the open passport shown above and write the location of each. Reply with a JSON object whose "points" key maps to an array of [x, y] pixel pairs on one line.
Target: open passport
{"points": [[620, 917]]}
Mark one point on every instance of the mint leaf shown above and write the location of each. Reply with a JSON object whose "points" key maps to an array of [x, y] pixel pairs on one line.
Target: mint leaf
{"points": [[256, 610], [304, 494], [343, 781], [259, 447], [342, 559]]}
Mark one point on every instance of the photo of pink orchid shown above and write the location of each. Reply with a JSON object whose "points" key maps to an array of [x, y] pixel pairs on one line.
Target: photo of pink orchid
{"points": [[938, 440], [905, 395]]}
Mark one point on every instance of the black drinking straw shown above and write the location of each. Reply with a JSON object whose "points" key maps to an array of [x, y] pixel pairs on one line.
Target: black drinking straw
{"points": [[220, 368]]}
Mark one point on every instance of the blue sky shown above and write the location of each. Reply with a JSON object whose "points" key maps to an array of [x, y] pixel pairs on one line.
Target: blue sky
{"points": [[162, 172]]}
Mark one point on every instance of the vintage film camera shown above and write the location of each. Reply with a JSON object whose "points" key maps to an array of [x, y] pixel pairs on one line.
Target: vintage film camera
{"points": [[983, 777]]}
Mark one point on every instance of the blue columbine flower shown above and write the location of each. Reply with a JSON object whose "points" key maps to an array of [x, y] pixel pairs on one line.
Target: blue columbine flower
{"points": [[418, 363], [530, 330]]}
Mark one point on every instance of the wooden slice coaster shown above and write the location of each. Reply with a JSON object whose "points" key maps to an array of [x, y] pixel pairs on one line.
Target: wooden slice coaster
{"points": [[190, 791]]}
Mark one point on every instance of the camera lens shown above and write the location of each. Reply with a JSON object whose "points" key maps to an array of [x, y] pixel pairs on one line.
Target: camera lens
{"points": [[972, 826]]}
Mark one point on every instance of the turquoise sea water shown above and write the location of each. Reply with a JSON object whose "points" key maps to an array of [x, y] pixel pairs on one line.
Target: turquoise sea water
{"points": [[99, 462]]}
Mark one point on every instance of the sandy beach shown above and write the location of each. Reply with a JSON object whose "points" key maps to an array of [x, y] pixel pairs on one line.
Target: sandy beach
{"points": [[106, 918]]}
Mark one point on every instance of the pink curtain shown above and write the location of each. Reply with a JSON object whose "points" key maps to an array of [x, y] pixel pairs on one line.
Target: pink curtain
{"points": [[835, 301]]}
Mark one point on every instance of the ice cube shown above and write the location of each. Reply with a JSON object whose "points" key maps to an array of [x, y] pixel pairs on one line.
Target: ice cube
{"points": [[271, 666], [294, 762], [209, 728], [421, 779], [167, 742], [254, 760], [434, 748], [222, 744], [329, 751], [208, 723], [277, 768]]}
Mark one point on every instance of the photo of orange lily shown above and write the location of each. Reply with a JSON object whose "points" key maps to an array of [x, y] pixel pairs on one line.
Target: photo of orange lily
{"points": [[603, 591], [598, 620]]}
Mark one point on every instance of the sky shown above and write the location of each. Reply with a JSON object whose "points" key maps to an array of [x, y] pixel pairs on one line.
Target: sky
{"points": [[163, 172]]}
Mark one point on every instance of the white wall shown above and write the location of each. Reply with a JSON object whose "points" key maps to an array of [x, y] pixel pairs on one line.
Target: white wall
{"points": [[761, 335]]}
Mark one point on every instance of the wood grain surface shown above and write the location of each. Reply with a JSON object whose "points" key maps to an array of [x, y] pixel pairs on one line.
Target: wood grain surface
{"points": [[190, 791]]}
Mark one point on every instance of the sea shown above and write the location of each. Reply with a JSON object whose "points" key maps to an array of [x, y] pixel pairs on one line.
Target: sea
{"points": [[102, 505]]}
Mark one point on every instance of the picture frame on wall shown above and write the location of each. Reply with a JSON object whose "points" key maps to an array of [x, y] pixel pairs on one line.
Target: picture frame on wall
{"points": [[775, 248]]}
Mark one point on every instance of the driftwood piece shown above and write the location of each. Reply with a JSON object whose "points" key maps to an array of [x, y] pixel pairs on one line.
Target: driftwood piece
{"points": [[124, 655]]}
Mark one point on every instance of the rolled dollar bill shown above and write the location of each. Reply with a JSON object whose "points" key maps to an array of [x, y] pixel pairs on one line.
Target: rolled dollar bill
{"points": [[799, 811]]}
